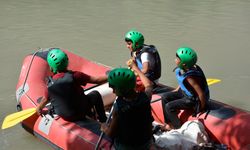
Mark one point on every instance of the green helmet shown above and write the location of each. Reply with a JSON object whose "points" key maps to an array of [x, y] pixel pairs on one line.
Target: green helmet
{"points": [[57, 60], [135, 37], [122, 80], [187, 56]]}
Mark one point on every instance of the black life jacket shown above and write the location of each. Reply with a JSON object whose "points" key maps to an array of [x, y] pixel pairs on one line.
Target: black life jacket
{"points": [[155, 71], [134, 120], [66, 102]]}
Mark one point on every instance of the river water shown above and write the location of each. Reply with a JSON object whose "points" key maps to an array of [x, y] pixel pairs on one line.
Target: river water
{"points": [[218, 30]]}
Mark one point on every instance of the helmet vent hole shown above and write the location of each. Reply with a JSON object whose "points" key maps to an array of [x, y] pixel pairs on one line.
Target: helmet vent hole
{"points": [[119, 73], [186, 52], [123, 74]]}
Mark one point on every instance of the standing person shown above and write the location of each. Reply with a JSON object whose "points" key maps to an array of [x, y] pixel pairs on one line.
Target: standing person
{"points": [[131, 125], [146, 56], [192, 92], [66, 93]]}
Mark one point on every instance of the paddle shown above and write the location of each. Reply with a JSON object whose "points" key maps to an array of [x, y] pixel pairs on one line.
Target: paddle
{"points": [[17, 117], [107, 121], [210, 81]]}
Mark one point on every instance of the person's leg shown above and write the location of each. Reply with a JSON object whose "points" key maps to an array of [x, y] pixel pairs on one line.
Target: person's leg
{"points": [[96, 101], [173, 106], [168, 97]]}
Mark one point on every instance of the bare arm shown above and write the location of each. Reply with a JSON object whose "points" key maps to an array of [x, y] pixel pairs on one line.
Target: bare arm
{"points": [[39, 108], [145, 67], [98, 80], [145, 59], [145, 81], [176, 89], [111, 130], [194, 83]]}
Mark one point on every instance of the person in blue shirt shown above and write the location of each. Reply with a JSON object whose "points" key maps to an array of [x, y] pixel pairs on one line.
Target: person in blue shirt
{"points": [[192, 92]]}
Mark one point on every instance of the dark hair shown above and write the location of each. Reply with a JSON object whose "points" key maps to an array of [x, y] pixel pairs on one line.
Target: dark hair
{"points": [[128, 40]]}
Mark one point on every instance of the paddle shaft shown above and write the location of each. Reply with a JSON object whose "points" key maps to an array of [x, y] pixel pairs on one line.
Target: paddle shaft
{"points": [[107, 121], [212, 81], [111, 111]]}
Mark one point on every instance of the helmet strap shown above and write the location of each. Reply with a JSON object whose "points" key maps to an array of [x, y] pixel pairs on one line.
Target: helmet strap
{"points": [[136, 48], [184, 68], [52, 70]]}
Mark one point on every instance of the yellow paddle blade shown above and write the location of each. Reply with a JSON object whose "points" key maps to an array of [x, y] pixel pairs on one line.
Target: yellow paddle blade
{"points": [[17, 117], [212, 81]]}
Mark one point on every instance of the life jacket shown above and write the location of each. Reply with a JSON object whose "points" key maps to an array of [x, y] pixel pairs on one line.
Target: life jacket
{"points": [[134, 120], [192, 72], [65, 101], [155, 71]]}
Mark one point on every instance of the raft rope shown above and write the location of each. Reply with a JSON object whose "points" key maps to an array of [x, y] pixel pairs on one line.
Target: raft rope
{"points": [[31, 61], [27, 74], [26, 78]]}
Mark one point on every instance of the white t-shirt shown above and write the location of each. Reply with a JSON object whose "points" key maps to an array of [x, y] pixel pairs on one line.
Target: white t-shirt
{"points": [[147, 57]]}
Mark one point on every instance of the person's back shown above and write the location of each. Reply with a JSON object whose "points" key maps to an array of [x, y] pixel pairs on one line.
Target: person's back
{"points": [[133, 128], [131, 125], [62, 88], [67, 96], [66, 93]]}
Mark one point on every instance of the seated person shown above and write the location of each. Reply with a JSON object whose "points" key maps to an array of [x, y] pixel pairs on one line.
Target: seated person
{"points": [[146, 57], [192, 92], [65, 91], [131, 125]]}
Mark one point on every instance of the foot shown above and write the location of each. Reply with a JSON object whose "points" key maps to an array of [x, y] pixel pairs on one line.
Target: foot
{"points": [[156, 129], [166, 127]]}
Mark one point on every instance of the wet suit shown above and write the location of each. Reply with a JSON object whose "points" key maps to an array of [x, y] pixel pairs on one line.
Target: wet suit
{"points": [[68, 99]]}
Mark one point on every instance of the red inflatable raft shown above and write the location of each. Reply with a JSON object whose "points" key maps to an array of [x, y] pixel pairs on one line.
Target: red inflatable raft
{"points": [[225, 124]]}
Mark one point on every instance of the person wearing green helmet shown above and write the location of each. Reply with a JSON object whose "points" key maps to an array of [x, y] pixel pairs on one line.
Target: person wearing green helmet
{"points": [[65, 91], [131, 124], [146, 56], [57, 60], [192, 92]]}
